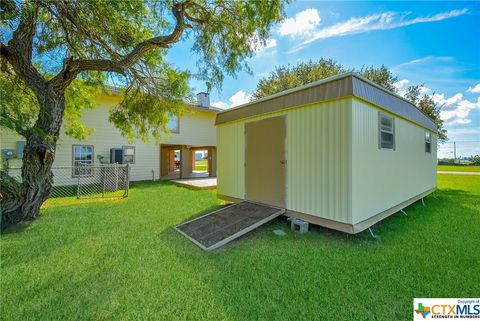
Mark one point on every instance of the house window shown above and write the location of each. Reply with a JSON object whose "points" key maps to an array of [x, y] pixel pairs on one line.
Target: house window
{"points": [[128, 154], [386, 132], [82, 160], [173, 124], [428, 142]]}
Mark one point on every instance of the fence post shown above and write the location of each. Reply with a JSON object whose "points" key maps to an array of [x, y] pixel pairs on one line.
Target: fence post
{"points": [[104, 178], [78, 182], [116, 176], [127, 178]]}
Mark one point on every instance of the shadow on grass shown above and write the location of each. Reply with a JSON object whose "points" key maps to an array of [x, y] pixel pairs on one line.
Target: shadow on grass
{"points": [[332, 235], [336, 275]]}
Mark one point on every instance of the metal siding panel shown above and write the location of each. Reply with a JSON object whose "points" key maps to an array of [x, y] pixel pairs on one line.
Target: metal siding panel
{"points": [[231, 159], [318, 146], [389, 102], [382, 179], [318, 168]]}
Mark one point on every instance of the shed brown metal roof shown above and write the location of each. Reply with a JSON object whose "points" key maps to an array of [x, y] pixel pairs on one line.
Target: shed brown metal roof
{"points": [[340, 86]]}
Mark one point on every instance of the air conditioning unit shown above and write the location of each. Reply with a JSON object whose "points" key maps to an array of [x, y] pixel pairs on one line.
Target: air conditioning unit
{"points": [[116, 155]]}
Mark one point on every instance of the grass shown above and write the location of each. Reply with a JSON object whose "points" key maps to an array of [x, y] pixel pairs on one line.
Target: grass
{"points": [[122, 260], [458, 168], [201, 165]]}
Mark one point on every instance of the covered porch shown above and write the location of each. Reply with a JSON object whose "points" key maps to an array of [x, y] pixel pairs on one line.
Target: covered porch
{"points": [[184, 161]]}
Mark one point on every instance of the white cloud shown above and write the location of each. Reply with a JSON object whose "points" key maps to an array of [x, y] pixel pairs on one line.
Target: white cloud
{"points": [[381, 21], [304, 22], [453, 110], [449, 103], [456, 110], [257, 45], [455, 132], [220, 104], [454, 100], [437, 98], [424, 90], [402, 85], [270, 43], [423, 60], [239, 98], [474, 90]]}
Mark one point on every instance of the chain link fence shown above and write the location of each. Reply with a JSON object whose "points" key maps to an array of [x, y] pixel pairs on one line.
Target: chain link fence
{"points": [[86, 181]]}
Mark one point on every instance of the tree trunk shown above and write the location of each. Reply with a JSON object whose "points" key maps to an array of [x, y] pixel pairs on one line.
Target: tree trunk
{"points": [[21, 202]]}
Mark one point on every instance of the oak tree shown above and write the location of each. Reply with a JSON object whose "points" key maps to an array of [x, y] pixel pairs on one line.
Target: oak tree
{"points": [[55, 54]]}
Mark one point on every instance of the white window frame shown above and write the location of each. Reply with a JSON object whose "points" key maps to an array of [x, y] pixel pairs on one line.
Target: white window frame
{"points": [[124, 148], [382, 130], [75, 163], [428, 142], [172, 118]]}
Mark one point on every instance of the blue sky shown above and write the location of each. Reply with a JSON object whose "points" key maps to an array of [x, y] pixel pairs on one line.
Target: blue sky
{"points": [[435, 43]]}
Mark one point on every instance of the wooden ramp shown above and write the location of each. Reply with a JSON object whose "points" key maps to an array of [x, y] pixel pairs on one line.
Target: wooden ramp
{"points": [[215, 229]]}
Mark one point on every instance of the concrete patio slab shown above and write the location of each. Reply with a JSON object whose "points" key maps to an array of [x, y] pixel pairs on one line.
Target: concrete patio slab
{"points": [[197, 183]]}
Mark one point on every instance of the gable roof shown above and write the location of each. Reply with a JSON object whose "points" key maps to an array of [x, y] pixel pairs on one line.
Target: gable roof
{"points": [[117, 91], [339, 86]]}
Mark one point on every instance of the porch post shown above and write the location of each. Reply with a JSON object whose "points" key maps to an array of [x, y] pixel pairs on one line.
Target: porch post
{"points": [[163, 161], [212, 162], [185, 162]]}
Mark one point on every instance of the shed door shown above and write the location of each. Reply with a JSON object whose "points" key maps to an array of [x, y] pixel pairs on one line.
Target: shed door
{"points": [[265, 161]]}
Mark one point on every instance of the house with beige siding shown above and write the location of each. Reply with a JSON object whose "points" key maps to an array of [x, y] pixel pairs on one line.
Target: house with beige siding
{"points": [[173, 157], [342, 152]]}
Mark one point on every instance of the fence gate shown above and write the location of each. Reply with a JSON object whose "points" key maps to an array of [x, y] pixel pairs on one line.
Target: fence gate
{"points": [[87, 181], [110, 180]]}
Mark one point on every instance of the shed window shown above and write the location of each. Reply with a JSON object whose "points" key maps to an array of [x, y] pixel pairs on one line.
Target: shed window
{"points": [[82, 159], [386, 132], [128, 154], [173, 123], [428, 142]]}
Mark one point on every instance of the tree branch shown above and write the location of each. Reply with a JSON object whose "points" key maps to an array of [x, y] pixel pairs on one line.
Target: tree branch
{"points": [[72, 67], [12, 123], [70, 13], [18, 52], [8, 8]]}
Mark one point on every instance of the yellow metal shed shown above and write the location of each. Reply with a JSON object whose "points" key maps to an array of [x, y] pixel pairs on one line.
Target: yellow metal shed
{"points": [[342, 152]]}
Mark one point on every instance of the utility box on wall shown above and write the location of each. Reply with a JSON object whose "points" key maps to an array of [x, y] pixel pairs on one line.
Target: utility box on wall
{"points": [[7, 153], [20, 148]]}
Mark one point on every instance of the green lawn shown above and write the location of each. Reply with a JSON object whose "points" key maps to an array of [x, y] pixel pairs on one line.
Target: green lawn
{"points": [[458, 168], [201, 165], [121, 260]]}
